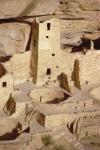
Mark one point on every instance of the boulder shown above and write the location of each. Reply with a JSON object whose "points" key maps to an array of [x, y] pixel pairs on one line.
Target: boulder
{"points": [[13, 38]]}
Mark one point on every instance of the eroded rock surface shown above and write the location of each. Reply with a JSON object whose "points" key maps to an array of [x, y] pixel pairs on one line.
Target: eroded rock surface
{"points": [[13, 38], [14, 8]]}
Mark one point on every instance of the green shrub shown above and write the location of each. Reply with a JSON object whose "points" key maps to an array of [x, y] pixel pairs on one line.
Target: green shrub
{"points": [[47, 140]]}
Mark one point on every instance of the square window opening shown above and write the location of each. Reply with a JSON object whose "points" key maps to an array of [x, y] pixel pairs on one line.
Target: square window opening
{"points": [[4, 84], [47, 37], [48, 26], [48, 71], [53, 54]]}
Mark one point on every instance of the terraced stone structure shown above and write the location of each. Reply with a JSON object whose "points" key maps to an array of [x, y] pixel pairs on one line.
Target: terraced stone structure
{"points": [[49, 74]]}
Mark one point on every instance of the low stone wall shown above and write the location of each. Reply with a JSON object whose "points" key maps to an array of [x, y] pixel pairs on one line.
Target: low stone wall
{"points": [[58, 120], [46, 94], [79, 104]]}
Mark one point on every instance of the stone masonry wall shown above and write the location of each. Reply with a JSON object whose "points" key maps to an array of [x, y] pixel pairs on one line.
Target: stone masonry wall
{"points": [[48, 51], [89, 66]]}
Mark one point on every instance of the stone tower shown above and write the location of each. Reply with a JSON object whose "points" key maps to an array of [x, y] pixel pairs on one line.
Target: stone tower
{"points": [[45, 56]]}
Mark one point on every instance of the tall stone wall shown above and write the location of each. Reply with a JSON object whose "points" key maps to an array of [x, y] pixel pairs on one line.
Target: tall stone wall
{"points": [[34, 51], [67, 64], [89, 66], [46, 52]]}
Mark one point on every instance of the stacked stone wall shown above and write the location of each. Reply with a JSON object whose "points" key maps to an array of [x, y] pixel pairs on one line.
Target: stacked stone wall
{"points": [[89, 66]]}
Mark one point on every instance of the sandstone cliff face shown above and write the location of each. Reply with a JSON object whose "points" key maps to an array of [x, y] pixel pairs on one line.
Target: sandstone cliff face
{"points": [[14, 8], [18, 8], [13, 38], [84, 5], [77, 18], [80, 9], [80, 5]]}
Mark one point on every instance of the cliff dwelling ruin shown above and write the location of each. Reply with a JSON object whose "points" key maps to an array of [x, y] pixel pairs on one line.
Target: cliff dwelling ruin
{"points": [[50, 76]]}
